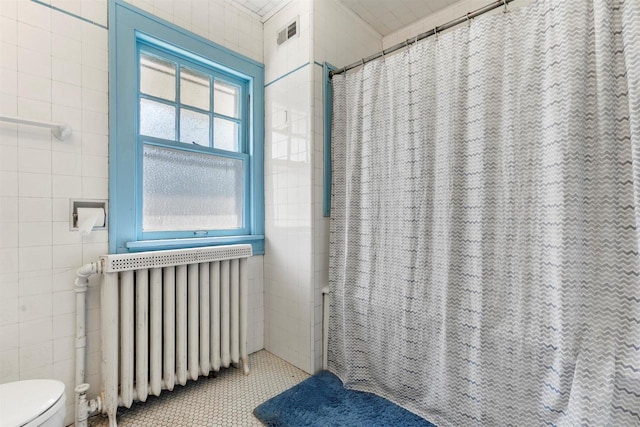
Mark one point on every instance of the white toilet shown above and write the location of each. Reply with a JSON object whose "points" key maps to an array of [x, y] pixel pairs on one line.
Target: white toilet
{"points": [[32, 403]]}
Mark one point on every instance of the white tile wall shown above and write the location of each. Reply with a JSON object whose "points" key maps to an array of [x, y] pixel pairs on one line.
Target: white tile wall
{"points": [[288, 201], [288, 229], [217, 20], [46, 83], [256, 304], [280, 60], [54, 67]]}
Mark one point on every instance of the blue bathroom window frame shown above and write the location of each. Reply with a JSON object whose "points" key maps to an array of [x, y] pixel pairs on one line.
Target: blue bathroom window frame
{"points": [[130, 31]]}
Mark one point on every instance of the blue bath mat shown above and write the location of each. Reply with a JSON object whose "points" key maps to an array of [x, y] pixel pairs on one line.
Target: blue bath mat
{"points": [[322, 401]]}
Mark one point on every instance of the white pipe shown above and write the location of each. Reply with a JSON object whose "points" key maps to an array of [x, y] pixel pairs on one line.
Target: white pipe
{"points": [[325, 325], [60, 131], [81, 286], [82, 407]]}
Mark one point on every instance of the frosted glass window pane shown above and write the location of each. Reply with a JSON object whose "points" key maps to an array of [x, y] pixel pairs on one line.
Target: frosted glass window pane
{"points": [[157, 119], [225, 99], [225, 134], [195, 89], [194, 127], [185, 191], [157, 77]]}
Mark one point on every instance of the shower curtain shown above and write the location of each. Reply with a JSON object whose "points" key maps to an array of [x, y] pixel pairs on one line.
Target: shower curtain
{"points": [[484, 264]]}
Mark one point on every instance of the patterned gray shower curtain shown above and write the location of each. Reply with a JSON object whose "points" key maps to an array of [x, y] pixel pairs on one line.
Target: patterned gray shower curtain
{"points": [[484, 234]]}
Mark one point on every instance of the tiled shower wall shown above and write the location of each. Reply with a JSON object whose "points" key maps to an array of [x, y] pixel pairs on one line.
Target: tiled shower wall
{"points": [[297, 248], [54, 67], [288, 170]]}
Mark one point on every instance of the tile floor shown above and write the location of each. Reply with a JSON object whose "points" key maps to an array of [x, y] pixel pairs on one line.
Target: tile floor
{"points": [[227, 400]]}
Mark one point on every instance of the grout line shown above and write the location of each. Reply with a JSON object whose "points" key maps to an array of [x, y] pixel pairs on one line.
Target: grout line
{"points": [[286, 74], [40, 2]]}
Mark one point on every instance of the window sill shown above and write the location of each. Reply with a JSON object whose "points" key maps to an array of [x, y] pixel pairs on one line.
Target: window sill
{"points": [[256, 241]]}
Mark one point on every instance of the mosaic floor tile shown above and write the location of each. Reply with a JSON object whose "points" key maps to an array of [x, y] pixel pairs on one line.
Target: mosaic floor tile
{"points": [[227, 400]]}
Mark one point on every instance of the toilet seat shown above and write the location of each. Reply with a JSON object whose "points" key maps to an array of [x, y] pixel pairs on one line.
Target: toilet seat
{"points": [[31, 402]]}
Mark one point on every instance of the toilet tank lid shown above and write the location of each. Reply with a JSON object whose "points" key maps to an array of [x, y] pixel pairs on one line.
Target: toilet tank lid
{"points": [[22, 401]]}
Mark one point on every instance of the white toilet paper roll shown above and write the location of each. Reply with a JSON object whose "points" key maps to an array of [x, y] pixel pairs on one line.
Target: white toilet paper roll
{"points": [[89, 218]]}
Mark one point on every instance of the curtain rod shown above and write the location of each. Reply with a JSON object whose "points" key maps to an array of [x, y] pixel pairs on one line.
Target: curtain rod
{"points": [[496, 4], [60, 131]]}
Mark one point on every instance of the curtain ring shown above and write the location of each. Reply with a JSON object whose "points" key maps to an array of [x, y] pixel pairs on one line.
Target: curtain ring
{"points": [[416, 40], [468, 18], [362, 62], [435, 32], [505, 6]]}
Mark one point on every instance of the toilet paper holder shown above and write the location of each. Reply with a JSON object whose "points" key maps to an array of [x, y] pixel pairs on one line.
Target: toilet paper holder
{"points": [[87, 203]]}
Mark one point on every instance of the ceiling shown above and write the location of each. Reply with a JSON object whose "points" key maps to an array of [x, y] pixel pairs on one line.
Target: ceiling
{"points": [[386, 16], [263, 8]]}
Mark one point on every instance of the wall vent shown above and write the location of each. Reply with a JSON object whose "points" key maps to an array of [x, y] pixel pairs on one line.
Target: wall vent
{"points": [[289, 31]]}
